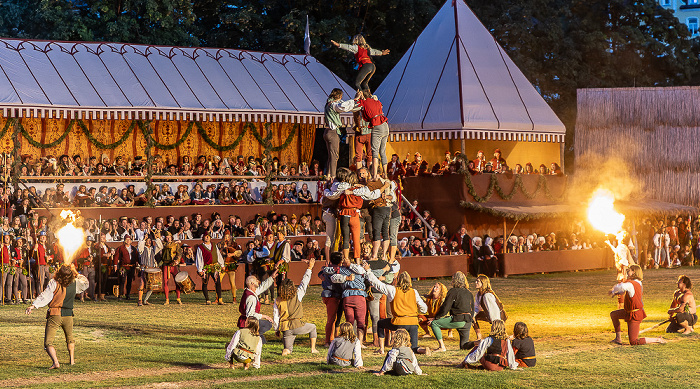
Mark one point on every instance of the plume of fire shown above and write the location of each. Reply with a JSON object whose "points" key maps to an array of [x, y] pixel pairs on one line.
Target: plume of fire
{"points": [[602, 214], [70, 237]]}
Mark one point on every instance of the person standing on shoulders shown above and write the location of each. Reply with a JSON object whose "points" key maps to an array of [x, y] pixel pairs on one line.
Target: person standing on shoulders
{"points": [[373, 113], [363, 57], [334, 126]]}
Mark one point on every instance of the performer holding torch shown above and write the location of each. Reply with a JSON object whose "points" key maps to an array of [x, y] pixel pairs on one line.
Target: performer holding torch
{"points": [[60, 293]]}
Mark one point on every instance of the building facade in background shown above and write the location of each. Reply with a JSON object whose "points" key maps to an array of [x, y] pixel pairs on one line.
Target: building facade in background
{"points": [[687, 11]]}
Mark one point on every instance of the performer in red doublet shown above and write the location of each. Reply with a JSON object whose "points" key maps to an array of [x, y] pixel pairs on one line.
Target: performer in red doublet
{"points": [[633, 313]]}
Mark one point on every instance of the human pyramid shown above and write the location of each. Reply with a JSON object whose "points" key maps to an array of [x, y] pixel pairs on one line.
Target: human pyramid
{"points": [[357, 287]]}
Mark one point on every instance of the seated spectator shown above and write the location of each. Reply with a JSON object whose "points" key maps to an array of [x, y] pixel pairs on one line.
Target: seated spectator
{"points": [[304, 194], [182, 197]]}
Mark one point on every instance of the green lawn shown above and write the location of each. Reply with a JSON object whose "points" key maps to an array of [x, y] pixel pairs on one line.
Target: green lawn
{"points": [[121, 345]]}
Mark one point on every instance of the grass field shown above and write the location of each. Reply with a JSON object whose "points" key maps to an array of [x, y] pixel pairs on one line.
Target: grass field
{"points": [[120, 345]]}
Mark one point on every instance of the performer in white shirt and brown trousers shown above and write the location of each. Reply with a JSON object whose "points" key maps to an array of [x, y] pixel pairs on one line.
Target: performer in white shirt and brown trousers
{"points": [[59, 295]]}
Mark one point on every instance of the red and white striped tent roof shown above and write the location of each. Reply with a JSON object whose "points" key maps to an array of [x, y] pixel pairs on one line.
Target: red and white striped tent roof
{"points": [[457, 82], [126, 81]]}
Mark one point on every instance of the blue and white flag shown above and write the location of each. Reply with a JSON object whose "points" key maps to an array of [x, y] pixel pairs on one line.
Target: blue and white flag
{"points": [[307, 38]]}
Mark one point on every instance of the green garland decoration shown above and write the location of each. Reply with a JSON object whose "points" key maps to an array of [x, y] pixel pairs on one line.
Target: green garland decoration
{"points": [[8, 122], [171, 146], [518, 184], [266, 141], [106, 146], [40, 145], [217, 147]]}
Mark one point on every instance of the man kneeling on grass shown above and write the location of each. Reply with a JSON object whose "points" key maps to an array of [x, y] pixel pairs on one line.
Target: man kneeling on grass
{"points": [[682, 314]]}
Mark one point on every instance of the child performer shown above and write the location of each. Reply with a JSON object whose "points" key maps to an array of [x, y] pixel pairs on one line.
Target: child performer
{"points": [[345, 349], [523, 346], [400, 360], [633, 313], [494, 352], [59, 295], [288, 312], [245, 346]]}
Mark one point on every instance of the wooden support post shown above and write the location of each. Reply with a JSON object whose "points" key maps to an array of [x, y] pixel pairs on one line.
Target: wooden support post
{"points": [[505, 231]]}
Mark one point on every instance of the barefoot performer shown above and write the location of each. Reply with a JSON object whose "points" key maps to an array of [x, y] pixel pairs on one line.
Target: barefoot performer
{"points": [[683, 312], [59, 295], [288, 312], [633, 313]]}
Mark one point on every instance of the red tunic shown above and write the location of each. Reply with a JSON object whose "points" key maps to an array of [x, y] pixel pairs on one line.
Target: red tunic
{"points": [[206, 254], [241, 307], [5, 255], [42, 254], [349, 204], [362, 56], [634, 306], [372, 112]]}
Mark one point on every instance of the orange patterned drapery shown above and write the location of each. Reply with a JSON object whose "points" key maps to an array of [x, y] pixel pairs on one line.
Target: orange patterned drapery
{"points": [[164, 132]]}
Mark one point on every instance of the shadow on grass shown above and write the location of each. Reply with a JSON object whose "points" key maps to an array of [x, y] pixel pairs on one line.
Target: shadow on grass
{"points": [[184, 364]]}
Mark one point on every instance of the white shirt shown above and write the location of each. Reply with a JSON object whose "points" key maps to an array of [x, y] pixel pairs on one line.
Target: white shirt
{"points": [[391, 358], [252, 301], [301, 291], [356, 352], [215, 256], [46, 296], [234, 343], [491, 305], [623, 287], [340, 107], [477, 353]]}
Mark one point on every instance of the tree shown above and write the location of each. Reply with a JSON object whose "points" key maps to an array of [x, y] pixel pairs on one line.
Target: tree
{"points": [[563, 45], [163, 22]]}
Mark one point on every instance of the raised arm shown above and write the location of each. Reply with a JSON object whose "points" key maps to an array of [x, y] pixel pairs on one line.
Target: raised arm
{"points": [[304, 284]]}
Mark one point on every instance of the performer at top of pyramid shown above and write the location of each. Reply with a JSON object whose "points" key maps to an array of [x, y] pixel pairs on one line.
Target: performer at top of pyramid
{"points": [[363, 55]]}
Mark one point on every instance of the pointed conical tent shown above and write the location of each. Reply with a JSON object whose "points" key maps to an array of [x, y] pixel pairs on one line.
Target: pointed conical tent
{"points": [[457, 82]]}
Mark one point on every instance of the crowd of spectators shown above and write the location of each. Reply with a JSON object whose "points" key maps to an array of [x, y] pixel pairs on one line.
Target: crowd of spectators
{"points": [[454, 163], [21, 201], [66, 165]]}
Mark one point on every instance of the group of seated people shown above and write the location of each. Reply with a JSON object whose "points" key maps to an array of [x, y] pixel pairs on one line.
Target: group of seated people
{"points": [[66, 165], [163, 194], [453, 163]]}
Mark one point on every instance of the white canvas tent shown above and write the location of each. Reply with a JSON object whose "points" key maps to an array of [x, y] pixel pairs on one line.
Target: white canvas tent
{"points": [[50, 79], [456, 82]]}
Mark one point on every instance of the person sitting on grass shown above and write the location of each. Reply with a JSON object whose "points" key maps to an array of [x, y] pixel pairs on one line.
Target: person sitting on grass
{"points": [[682, 313], [456, 312], [492, 353], [523, 346], [245, 346], [346, 348], [433, 300], [400, 360], [633, 312], [288, 312]]}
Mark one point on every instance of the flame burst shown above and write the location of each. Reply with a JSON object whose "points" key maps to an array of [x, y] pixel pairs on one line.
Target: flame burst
{"points": [[70, 237], [602, 214]]}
